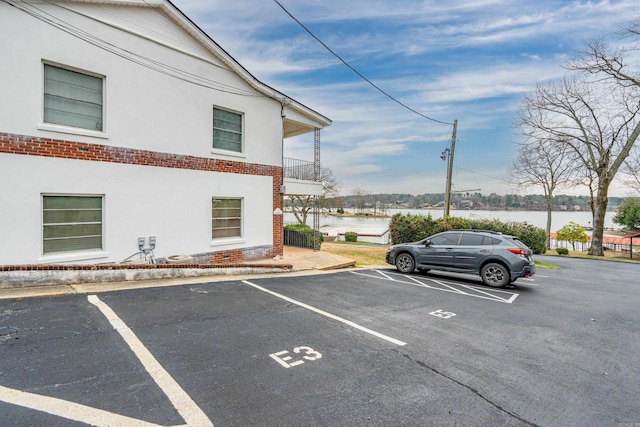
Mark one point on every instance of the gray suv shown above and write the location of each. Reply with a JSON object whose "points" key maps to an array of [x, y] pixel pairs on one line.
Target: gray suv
{"points": [[499, 259]]}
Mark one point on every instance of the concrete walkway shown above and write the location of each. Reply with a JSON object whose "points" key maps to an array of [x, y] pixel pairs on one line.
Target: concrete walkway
{"points": [[301, 261], [307, 259]]}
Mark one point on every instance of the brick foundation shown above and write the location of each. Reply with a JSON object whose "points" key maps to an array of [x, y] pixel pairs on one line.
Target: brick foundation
{"points": [[236, 255]]}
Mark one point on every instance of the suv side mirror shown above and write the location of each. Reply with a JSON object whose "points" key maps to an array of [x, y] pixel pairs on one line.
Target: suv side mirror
{"points": [[427, 242]]}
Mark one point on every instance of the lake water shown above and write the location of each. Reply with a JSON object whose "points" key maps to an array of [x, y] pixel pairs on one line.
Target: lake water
{"points": [[332, 224]]}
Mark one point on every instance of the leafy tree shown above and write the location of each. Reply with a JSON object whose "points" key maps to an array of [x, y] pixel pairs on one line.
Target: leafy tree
{"points": [[511, 201], [572, 233], [494, 200], [628, 214]]}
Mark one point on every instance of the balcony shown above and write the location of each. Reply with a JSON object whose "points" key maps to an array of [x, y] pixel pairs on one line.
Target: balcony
{"points": [[299, 178]]}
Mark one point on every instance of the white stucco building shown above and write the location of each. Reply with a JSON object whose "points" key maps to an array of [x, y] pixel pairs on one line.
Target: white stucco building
{"points": [[122, 119]]}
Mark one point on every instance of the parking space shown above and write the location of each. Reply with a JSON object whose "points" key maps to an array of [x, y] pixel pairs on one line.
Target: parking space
{"points": [[459, 287], [361, 347]]}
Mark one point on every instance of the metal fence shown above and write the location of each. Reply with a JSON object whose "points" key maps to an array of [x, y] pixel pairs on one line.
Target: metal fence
{"points": [[298, 169], [300, 240]]}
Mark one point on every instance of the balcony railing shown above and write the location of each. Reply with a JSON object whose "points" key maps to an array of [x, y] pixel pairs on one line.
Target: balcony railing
{"points": [[298, 169]]}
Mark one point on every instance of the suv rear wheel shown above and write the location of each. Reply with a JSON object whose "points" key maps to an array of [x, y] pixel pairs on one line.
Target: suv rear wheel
{"points": [[405, 263], [495, 275]]}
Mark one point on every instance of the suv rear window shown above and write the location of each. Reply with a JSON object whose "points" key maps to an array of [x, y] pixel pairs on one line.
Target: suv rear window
{"points": [[470, 239], [490, 241], [516, 241]]}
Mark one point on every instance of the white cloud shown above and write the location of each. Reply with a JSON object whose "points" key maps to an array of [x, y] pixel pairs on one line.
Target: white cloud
{"points": [[455, 59]]}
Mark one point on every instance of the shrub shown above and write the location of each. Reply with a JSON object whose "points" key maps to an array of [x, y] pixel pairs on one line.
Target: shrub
{"points": [[534, 237], [562, 251], [411, 228], [351, 236], [452, 223]]}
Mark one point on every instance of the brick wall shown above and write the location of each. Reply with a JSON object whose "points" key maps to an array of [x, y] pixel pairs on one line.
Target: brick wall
{"points": [[48, 147]]}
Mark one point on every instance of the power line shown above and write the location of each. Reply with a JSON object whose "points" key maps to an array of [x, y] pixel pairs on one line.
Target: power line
{"points": [[356, 71], [125, 54], [481, 174]]}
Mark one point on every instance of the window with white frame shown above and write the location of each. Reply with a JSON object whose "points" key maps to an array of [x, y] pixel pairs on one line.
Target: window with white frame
{"points": [[71, 223], [72, 98], [227, 130], [226, 218]]}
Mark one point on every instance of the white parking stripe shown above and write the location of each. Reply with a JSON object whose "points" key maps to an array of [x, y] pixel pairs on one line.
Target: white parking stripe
{"points": [[458, 291], [329, 315], [186, 407], [69, 410], [408, 277], [472, 291], [386, 275], [483, 292]]}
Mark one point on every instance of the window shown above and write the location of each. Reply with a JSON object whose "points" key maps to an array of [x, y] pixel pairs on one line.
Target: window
{"points": [[490, 241], [469, 239], [71, 223], [226, 218], [227, 130], [72, 98], [445, 239]]}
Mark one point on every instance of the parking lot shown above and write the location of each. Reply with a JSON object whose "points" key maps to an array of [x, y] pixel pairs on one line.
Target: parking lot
{"points": [[358, 347]]}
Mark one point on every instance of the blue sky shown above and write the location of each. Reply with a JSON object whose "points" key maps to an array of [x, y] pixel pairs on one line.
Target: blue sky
{"points": [[467, 60]]}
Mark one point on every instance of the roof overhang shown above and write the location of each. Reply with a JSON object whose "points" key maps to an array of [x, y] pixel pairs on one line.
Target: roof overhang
{"points": [[289, 104], [182, 20]]}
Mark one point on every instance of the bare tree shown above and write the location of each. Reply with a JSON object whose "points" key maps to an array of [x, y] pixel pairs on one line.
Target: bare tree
{"points": [[611, 66], [360, 201], [301, 205], [588, 178], [544, 164], [632, 169], [603, 63], [598, 121]]}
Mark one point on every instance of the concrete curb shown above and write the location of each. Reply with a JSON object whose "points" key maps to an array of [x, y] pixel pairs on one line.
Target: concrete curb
{"points": [[348, 264], [47, 278]]}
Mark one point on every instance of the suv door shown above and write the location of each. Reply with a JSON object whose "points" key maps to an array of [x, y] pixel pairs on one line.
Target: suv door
{"points": [[471, 250], [440, 251]]}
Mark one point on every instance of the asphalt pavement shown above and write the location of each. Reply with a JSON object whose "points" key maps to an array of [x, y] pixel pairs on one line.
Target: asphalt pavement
{"points": [[356, 347]]}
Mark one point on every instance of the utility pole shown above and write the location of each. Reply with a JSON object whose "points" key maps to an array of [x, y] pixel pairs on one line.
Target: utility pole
{"points": [[447, 194]]}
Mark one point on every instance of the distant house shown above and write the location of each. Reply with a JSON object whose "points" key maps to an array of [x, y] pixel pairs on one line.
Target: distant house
{"points": [[121, 120], [465, 204]]}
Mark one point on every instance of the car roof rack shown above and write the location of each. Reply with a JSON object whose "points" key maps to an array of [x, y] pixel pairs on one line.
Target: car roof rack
{"points": [[477, 230]]}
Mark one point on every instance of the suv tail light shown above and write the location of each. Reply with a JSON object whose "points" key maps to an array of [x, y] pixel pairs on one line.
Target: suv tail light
{"points": [[525, 253]]}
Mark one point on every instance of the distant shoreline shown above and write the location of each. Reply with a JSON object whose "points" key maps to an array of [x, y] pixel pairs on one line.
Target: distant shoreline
{"points": [[537, 218], [357, 215], [439, 208]]}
